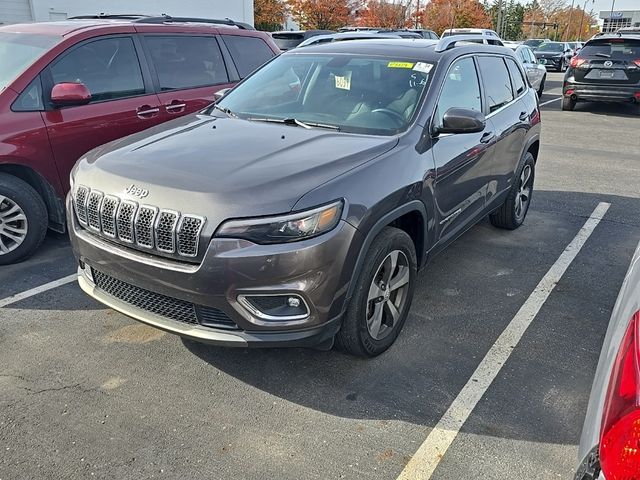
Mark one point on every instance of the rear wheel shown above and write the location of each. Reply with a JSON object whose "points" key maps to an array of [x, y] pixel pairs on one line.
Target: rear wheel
{"points": [[568, 103], [23, 219], [382, 298], [541, 87], [514, 209]]}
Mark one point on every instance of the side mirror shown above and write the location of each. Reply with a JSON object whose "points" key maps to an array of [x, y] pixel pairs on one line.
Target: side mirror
{"points": [[221, 93], [462, 120], [69, 94]]}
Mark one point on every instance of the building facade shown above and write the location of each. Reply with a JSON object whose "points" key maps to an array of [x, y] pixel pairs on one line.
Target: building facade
{"points": [[619, 19], [19, 11]]}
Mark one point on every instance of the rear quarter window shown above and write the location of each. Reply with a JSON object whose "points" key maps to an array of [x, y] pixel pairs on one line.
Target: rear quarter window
{"points": [[248, 53]]}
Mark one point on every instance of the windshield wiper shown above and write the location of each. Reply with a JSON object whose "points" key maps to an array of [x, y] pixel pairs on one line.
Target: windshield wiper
{"points": [[605, 55], [295, 122], [225, 110]]}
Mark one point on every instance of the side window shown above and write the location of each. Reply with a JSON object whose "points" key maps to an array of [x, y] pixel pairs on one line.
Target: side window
{"points": [[248, 52], [532, 57], [460, 89], [30, 100], [522, 55], [495, 78], [519, 83], [109, 68], [186, 61]]}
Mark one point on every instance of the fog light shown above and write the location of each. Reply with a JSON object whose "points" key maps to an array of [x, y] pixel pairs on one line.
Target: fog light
{"points": [[275, 307], [293, 302]]}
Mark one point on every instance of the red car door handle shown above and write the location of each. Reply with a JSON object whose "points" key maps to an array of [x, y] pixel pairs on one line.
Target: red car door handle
{"points": [[175, 107], [147, 111]]}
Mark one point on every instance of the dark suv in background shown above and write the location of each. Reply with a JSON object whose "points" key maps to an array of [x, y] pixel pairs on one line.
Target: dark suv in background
{"points": [[607, 69], [300, 207], [67, 87]]}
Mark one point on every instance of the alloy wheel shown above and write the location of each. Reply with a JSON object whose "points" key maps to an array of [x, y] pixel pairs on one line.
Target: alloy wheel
{"points": [[388, 294], [524, 191], [13, 225]]}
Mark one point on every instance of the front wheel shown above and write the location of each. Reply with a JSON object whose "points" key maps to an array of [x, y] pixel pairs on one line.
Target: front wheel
{"points": [[514, 209], [380, 303], [23, 219]]}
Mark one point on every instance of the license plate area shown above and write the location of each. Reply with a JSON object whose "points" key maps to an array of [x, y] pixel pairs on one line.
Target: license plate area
{"points": [[607, 74]]}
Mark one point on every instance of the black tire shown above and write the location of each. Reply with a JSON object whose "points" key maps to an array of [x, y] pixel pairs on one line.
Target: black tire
{"points": [[568, 104], [25, 197], [541, 87], [354, 336], [508, 216]]}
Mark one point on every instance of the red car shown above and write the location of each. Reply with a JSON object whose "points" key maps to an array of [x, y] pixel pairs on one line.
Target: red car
{"points": [[68, 87]]}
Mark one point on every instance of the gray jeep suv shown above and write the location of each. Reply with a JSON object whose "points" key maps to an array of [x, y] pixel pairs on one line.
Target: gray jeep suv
{"points": [[299, 208]]}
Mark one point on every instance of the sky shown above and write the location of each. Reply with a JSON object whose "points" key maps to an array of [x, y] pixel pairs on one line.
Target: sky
{"points": [[606, 5]]}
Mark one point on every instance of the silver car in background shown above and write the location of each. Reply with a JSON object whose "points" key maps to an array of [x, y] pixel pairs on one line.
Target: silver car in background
{"points": [[536, 73], [610, 442]]}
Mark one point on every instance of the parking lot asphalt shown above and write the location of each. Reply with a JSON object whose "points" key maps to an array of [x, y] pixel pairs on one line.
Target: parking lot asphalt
{"points": [[88, 393]]}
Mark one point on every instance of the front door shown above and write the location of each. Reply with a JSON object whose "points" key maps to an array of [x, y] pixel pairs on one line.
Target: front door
{"points": [[463, 161], [121, 102]]}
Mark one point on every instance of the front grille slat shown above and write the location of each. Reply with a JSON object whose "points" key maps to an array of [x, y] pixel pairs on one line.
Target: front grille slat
{"points": [[145, 227], [161, 305]]}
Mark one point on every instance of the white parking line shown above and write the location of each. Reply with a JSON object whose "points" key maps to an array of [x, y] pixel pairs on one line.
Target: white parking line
{"points": [[35, 291], [426, 459], [550, 101]]}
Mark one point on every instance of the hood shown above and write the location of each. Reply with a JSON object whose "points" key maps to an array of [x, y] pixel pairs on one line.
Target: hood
{"points": [[224, 168]]}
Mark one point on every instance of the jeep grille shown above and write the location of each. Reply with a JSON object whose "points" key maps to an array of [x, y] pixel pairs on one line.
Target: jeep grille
{"points": [[144, 226]]}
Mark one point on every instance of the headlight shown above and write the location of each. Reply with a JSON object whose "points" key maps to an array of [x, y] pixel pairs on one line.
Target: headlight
{"points": [[285, 228]]}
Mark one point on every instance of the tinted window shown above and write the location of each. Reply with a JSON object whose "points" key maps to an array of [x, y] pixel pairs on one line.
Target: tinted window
{"points": [[495, 78], [109, 68], [617, 48], [516, 76], [460, 89], [551, 47], [30, 100], [187, 62], [529, 53], [248, 53], [286, 41]]}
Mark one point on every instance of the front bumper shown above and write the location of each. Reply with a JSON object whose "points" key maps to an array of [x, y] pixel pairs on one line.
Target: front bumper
{"points": [[318, 270], [593, 92]]}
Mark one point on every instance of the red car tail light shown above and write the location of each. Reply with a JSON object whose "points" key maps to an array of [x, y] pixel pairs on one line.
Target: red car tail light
{"points": [[576, 62], [637, 62], [620, 432]]}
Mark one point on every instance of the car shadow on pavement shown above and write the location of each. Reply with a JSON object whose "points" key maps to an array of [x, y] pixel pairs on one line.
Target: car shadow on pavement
{"points": [[609, 109], [463, 301]]}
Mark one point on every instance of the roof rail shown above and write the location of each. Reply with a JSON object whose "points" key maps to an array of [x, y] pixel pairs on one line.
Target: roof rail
{"points": [[105, 16], [447, 42], [159, 19], [170, 19]]}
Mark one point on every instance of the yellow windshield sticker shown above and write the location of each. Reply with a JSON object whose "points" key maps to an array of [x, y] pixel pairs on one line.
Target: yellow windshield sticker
{"points": [[343, 82], [400, 65]]}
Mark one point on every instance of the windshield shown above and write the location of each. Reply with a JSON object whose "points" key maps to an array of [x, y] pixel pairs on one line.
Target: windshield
{"points": [[18, 51], [533, 43], [617, 48], [551, 47], [352, 93]]}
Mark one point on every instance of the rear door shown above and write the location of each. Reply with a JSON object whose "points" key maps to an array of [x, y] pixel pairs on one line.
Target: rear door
{"points": [[507, 115], [188, 70], [122, 101], [613, 61]]}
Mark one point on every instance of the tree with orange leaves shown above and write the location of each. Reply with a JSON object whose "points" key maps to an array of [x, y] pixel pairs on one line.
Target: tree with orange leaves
{"points": [[384, 14], [322, 14], [439, 15], [269, 15]]}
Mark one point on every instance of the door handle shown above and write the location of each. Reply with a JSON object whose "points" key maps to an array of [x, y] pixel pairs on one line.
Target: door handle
{"points": [[487, 137], [172, 107], [146, 111], [523, 116]]}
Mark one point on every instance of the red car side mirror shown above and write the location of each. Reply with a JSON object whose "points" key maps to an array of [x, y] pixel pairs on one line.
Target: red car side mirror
{"points": [[68, 94]]}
